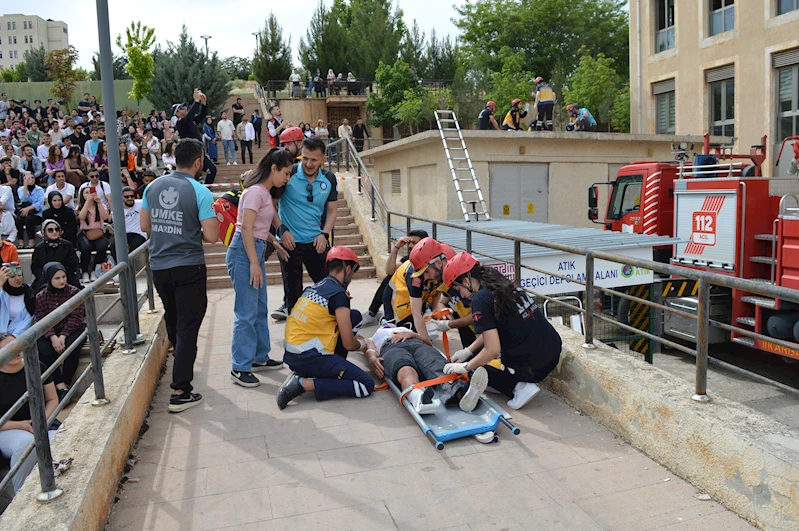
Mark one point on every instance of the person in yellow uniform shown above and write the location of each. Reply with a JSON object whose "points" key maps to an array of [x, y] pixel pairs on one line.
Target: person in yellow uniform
{"points": [[511, 121], [462, 319], [414, 285], [319, 334]]}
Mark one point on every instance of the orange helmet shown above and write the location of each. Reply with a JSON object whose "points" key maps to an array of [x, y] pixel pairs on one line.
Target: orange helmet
{"points": [[515, 102], [491, 104], [292, 134], [461, 264], [424, 252], [345, 254], [448, 251], [538, 80]]}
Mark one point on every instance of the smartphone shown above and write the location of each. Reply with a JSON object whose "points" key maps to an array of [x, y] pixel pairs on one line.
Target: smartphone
{"points": [[14, 268], [92, 189]]}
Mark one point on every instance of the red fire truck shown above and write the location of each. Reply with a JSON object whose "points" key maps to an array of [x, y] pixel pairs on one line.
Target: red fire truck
{"points": [[730, 220]]}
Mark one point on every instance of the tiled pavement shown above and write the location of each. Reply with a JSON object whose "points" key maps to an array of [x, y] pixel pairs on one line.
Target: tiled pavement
{"points": [[236, 462]]}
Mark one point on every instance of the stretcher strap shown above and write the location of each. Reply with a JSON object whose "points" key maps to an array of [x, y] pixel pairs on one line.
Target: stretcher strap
{"points": [[435, 381]]}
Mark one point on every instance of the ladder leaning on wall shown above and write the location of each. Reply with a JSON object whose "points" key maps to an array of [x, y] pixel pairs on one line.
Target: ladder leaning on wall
{"points": [[473, 204]]}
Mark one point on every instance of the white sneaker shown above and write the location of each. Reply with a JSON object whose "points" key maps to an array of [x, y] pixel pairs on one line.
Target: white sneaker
{"points": [[93, 276], [424, 401], [369, 319], [235, 163], [477, 384], [228, 164], [85, 278], [523, 393]]}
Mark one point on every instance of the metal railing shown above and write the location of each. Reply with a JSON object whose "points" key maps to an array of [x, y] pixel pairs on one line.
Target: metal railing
{"points": [[705, 280], [282, 88], [25, 344]]}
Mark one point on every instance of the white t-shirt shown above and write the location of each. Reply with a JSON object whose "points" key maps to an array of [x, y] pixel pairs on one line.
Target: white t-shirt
{"points": [[103, 191], [57, 136], [382, 335], [43, 151], [6, 133], [295, 78], [225, 129], [344, 131], [132, 215], [67, 190]]}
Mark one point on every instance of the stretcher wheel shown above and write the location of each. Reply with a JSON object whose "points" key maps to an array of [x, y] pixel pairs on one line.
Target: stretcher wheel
{"points": [[433, 439], [516, 430]]}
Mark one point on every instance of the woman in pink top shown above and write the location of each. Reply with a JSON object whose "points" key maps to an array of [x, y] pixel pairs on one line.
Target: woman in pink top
{"points": [[247, 268]]}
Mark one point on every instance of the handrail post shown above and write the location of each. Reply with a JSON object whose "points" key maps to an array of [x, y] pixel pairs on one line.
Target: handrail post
{"points": [[702, 325], [435, 231], [347, 160], [588, 301], [338, 158], [358, 176], [374, 210], [150, 284], [33, 380], [517, 262], [388, 232], [469, 241], [94, 349], [407, 225]]}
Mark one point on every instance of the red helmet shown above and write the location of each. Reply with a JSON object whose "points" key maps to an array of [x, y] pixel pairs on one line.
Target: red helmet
{"points": [[538, 80], [345, 254], [515, 102], [461, 264], [448, 251], [571, 107], [424, 252], [292, 134], [491, 104]]}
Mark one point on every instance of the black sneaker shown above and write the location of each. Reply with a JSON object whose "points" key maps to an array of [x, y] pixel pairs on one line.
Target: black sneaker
{"points": [[281, 314], [290, 390], [244, 379], [178, 403], [62, 394], [270, 365]]}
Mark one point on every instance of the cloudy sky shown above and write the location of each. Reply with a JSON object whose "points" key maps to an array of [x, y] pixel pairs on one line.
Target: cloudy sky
{"points": [[230, 23]]}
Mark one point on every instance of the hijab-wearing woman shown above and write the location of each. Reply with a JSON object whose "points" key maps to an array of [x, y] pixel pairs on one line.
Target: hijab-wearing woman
{"points": [[209, 135], [63, 215], [54, 248], [56, 340], [17, 301], [247, 268], [17, 433]]}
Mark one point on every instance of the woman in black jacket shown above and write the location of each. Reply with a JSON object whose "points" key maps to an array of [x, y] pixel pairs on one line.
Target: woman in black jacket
{"points": [[64, 215], [54, 248]]}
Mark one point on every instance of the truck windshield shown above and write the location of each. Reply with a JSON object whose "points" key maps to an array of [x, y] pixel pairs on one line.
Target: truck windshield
{"points": [[626, 196]]}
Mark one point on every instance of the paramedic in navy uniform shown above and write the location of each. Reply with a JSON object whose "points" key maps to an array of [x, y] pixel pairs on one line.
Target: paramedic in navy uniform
{"points": [[176, 212], [512, 328]]}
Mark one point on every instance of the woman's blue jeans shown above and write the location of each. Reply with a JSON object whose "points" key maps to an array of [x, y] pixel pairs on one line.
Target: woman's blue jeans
{"points": [[251, 343]]}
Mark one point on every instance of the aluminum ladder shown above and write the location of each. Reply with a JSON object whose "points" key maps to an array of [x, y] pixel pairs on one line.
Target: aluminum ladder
{"points": [[461, 167]]}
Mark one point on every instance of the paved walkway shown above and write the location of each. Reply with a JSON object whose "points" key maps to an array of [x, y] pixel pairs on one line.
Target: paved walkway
{"points": [[236, 462]]}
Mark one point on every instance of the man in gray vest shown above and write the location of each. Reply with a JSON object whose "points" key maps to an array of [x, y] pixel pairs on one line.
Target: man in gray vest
{"points": [[177, 214]]}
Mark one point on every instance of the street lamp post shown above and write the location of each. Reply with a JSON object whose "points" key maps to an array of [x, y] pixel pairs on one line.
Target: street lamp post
{"points": [[257, 43], [205, 38]]}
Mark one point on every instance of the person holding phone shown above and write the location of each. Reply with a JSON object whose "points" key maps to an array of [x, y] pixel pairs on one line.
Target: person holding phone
{"points": [[17, 300], [92, 216]]}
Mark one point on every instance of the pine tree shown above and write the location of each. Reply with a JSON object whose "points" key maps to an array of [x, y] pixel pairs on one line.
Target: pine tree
{"points": [[180, 69], [118, 67], [413, 50], [326, 42], [272, 59], [376, 30], [34, 59]]}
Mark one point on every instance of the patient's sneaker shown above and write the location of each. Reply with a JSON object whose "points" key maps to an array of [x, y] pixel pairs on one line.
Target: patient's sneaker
{"points": [[487, 437], [370, 319], [424, 401], [477, 384], [291, 389], [523, 393]]}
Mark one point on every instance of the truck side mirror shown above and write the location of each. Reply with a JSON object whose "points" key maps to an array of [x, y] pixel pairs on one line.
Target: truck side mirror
{"points": [[593, 193], [592, 214]]}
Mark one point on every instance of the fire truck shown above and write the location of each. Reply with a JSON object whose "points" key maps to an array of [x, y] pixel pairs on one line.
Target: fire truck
{"points": [[730, 220]]}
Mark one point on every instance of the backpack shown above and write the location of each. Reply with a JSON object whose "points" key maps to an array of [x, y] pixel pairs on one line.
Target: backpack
{"points": [[227, 210]]}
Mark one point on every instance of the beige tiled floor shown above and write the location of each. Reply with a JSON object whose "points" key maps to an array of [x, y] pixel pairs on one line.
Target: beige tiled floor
{"points": [[237, 462]]}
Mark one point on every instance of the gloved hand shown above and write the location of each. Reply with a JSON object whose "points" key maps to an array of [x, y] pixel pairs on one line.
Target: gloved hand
{"points": [[455, 368], [442, 326], [462, 355]]}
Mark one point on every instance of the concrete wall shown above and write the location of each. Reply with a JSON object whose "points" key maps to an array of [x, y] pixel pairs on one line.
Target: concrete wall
{"points": [[758, 34], [41, 90], [575, 162]]}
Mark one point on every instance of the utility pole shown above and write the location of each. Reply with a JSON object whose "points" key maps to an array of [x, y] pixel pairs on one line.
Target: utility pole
{"points": [[257, 42], [205, 38]]}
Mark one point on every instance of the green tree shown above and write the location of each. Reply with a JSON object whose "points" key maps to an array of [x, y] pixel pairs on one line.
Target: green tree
{"points": [[237, 67], [180, 68], [21, 72], [34, 60], [326, 42], [418, 105], [549, 33], [511, 82], [441, 60], [8, 75], [118, 67], [138, 41], [376, 29], [272, 58], [413, 49], [60, 66], [81, 74], [393, 81], [620, 113], [594, 85]]}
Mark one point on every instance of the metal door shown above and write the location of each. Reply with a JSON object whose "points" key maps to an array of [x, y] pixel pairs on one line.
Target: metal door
{"points": [[519, 191]]}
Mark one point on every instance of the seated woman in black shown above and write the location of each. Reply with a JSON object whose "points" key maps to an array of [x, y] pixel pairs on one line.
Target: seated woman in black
{"points": [[64, 215], [54, 248], [512, 328], [56, 340], [17, 433]]}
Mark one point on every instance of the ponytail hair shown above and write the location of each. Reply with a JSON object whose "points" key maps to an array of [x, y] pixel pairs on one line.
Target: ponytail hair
{"points": [[503, 291], [276, 156]]}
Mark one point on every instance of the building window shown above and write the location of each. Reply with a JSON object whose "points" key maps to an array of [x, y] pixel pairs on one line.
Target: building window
{"points": [[786, 6], [1, 55], [787, 102], [722, 16], [9, 26], [13, 25], [24, 24], [26, 39], [665, 118], [15, 40], [664, 24], [722, 108]]}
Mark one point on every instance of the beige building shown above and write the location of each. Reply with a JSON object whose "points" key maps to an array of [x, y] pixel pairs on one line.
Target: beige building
{"points": [[19, 33], [728, 67]]}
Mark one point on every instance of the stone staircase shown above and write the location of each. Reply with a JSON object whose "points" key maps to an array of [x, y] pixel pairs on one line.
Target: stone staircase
{"points": [[346, 231]]}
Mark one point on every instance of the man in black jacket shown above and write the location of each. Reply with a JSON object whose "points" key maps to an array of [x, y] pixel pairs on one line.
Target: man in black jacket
{"points": [[190, 122]]}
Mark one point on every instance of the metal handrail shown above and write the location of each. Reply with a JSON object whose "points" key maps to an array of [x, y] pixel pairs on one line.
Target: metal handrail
{"points": [[26, 343], [705, 280], [376, 197]]}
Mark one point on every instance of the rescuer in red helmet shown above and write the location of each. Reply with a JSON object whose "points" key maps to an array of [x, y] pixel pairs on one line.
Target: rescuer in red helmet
{"points": [[511, 327], [511, 121], [320, 333], [486, 119], [291, 139]]}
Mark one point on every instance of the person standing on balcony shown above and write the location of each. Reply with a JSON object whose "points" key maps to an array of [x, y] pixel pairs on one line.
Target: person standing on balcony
{"points": [[275, 125], [176, 212], [331, 78], [360, 132], [227, 132], [295, 79], [319, 84], [238, 112]]}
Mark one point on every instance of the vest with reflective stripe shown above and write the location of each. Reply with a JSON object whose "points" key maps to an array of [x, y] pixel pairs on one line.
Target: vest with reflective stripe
{"points": [[310, 325]]}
